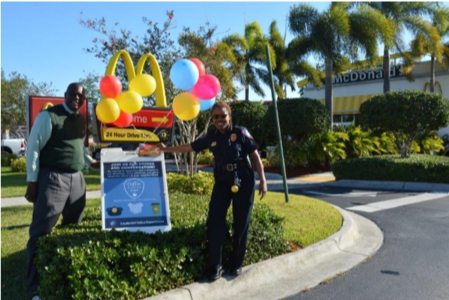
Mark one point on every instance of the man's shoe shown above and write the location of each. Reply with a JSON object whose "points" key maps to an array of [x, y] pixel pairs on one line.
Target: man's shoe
{"points": [[236, 272], [215, 273]]}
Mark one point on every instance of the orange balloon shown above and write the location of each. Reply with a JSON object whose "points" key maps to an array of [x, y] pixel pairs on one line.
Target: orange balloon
{"points": [[110, 86], [199, 65], [123, 120]]}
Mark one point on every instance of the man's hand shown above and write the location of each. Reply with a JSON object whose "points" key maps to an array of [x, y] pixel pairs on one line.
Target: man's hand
{"points": [[95, 164], [31, 193]]}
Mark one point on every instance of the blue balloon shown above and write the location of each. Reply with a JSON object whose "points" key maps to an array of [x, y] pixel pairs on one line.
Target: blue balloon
{"points": [[206, 104], [184, 74]]}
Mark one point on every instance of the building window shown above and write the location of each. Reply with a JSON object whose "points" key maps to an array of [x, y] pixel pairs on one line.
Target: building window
{"points": [[345, 120]]}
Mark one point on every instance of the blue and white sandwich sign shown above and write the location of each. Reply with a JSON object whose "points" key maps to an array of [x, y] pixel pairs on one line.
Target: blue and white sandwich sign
{"points": [[134, 193]]}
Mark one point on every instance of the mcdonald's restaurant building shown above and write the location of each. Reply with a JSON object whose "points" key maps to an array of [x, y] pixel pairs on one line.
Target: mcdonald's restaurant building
{"points": [[351, 89]]}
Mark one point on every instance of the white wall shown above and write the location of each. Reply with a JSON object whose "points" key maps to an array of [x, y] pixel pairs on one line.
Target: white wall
{"points": [[421, 76]]}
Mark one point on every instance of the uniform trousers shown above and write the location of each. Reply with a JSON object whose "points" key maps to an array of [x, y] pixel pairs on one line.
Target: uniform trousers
{"points": [[58, 193], [242, 204]]}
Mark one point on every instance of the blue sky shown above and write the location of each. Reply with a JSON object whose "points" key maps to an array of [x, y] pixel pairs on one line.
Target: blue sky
{"points": [[45, 42]]}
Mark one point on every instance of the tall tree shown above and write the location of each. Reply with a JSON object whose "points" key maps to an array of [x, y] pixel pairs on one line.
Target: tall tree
{"points": [[247, 57], [282, 73], [91, 83], [335, 31], [16, 88], [402, 16], [156, 40]]}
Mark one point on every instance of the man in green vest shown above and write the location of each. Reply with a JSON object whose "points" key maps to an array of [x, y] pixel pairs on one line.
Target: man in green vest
{"points": [[55, 158]]}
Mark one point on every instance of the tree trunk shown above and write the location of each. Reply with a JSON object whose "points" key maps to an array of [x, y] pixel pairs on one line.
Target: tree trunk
{"points": [[328, 91], [386, 69], [432, 74], [247, 93]]}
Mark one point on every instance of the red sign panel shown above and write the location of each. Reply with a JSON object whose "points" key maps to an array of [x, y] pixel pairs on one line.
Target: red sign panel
{"points": [[153, 118], [149, 125], [36, 104]]}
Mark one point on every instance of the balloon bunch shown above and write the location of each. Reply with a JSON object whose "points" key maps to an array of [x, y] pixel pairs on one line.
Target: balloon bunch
{"points": [[200, 89], [116, 107]]}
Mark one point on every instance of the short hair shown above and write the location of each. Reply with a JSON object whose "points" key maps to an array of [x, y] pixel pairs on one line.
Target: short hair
{"points": [[221, 104], [73, 84]]}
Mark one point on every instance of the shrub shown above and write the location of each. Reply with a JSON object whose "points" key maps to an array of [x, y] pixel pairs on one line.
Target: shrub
{"points": [[19, 165], [84, 262], [251, 115], [206, 157], [199, 184], [406, 114], [415, 168], [298, 118], [265, 162], [7, 158]]}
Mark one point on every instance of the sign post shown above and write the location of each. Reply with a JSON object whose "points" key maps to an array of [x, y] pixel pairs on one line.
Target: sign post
{"points": [[134, 194]]}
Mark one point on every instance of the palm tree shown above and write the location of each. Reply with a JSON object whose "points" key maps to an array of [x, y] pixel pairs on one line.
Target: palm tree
{"points": [[289, 65], [333, 32], [247, 57], [282, 73], [433, 44], [401, 16]]}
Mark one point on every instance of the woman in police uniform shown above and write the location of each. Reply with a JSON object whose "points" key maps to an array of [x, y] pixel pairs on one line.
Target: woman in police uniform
{"points": [[234, 181]]}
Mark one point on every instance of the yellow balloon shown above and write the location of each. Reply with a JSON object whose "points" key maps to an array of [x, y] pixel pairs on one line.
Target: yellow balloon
{"points": [[143, 84], [130, 102], [107, 110], [186, 106]]}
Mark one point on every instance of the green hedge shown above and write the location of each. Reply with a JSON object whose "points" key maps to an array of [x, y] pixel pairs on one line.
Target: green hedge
{"points": [[84, 262], [19, 165], [7, 158], [415, 168], [199, 184]]}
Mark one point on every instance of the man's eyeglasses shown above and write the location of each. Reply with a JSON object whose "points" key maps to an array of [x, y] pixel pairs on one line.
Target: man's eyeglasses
{"points": [[74, 94], [216, 117]]}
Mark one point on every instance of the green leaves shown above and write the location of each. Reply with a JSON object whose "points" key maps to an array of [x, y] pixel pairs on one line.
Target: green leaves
{"points": [[84, 262], [406, 114], [415, 168]]}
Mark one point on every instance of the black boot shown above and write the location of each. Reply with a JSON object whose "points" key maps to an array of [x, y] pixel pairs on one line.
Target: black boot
{"points": [[215, 273], [236, 271]]}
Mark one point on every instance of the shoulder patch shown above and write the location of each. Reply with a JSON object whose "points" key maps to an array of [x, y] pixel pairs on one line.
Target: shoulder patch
{"points": [[246, 133]]}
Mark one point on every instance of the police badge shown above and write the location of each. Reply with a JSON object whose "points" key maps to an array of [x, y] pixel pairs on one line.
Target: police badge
{"points": [[233, 137]]}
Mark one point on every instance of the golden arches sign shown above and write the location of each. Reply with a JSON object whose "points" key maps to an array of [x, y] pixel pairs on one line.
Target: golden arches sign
{"points": [[437, 85], [149, 124], [131, 72]]}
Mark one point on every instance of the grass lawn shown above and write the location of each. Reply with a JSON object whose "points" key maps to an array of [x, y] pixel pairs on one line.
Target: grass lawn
{"points": [[14, 184], [307, 221]]}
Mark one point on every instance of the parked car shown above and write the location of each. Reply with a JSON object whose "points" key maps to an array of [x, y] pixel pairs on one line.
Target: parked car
{"points": [[14, 146]]}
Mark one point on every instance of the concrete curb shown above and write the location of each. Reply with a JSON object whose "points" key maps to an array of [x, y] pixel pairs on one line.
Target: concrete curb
{"points": [[357, 240], [391, 185]]}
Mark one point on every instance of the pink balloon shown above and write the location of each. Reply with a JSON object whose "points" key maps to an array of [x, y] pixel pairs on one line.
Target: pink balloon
{"points": [[123, 120], [199, 65], [110, 86], [207, 87]]}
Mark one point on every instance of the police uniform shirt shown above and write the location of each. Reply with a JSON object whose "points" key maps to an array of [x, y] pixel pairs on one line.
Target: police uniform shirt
{"points": [[232, 147]]}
